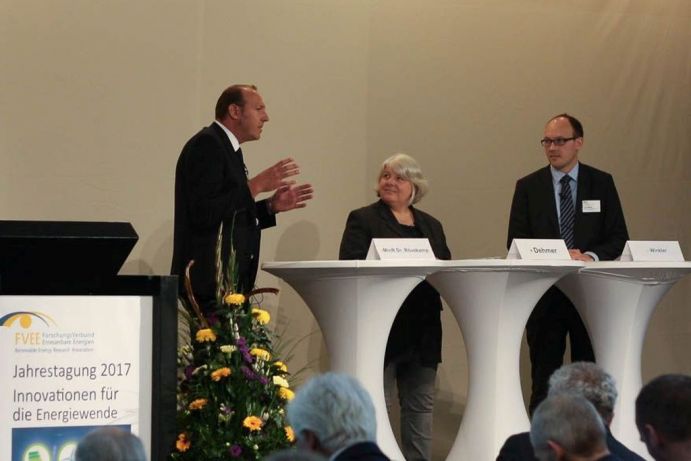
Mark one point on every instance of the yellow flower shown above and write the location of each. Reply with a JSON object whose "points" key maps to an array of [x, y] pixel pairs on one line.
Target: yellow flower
{"points": [[290, 435], [280, 381], [182, 443], [285, 393], [216, 375], [260, 353], [197, 404], [281, 366], [205, 335], [253, 423], [262, 316], [234, 299], [228, 349]]}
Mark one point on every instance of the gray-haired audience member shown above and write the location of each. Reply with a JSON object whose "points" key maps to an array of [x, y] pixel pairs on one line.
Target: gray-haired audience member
{"points": [[332, 414], [663, 417], [593, 383], [567, 427], [110, 444]]}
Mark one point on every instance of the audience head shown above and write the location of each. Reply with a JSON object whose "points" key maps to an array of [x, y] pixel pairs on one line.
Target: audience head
{"points": [[330, 412], [566, 425], [663, 417], [590, 381], [407, 168], [110, 444], [295, 454]]}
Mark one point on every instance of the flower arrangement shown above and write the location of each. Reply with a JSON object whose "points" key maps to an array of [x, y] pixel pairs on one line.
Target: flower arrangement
{"points": [[233, 391]]}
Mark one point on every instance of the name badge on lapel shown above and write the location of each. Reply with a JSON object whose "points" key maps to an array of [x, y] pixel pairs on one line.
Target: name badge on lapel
{"points": [[591, 206]]}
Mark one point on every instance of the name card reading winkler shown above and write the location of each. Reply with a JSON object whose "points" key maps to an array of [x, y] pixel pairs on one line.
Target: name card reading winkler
{"points": [[648, 250], [538, 249], [383, 249]]}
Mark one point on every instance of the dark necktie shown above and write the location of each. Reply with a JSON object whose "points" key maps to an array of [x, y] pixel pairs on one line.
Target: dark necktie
{"points": [[567, 212], [242, 159]]}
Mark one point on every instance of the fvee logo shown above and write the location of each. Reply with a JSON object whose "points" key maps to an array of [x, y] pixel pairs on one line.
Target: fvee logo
{"points": [[22, 322]]}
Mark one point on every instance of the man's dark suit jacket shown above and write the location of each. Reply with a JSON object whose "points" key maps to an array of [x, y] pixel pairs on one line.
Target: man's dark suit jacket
{"points": [[534, 212], [362, 451], [417, 327], [518, 448], [211, 187]]}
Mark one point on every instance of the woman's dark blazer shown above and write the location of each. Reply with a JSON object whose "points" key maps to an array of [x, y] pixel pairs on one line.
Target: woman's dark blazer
{"points": [[417, 328]]}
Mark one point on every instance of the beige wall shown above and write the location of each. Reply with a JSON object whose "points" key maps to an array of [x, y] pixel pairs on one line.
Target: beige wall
{"points": [[97, 99]]}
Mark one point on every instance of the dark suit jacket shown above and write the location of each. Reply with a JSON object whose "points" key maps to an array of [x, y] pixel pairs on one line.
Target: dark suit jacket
{"points": [[211, 187], [534, 212], [362, 451], [417, 327], [518, 448]]}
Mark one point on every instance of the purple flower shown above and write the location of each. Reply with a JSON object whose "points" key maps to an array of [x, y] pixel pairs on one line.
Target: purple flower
{"points": [[263, 379], [212, 319], [188, 371], [249, 374], [244, 350], [235, 450]]}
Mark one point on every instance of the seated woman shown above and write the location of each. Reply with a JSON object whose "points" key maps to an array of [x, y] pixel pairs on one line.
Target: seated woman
{"points": [[414, 348]]}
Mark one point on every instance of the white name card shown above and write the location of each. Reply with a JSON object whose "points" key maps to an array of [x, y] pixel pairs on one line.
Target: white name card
{"points": [[538, 249], [400, 249], [649, 250]]}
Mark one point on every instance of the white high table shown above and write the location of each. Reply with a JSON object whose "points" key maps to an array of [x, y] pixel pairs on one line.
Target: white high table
{"points": [[492, 299], [616, 300], [355, 303]]}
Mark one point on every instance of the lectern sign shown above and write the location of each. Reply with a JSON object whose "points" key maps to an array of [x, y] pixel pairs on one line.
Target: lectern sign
{"points": [[400, 249], [648, 250], [68, 364], [538, 249]]}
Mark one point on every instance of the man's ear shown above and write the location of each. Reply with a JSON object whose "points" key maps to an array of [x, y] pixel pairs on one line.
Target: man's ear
{"points": [[234, 111], [652, 438], [312, 442], [557, 449]]}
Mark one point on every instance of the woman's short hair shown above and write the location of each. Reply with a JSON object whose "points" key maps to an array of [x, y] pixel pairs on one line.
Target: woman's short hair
{"points": [[407, 167]]}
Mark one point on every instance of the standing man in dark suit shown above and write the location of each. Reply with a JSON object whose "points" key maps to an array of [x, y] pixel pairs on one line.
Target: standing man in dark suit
{"points": [[212, 187], [578, 203]]}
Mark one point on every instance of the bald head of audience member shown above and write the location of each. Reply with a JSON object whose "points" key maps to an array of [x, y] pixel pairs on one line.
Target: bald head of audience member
{"points": [[567, 427], [331, 412], [663, 417], [110, 444]]}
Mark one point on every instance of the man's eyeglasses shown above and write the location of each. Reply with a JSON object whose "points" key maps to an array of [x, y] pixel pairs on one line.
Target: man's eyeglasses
{"points": [[556, 141]]}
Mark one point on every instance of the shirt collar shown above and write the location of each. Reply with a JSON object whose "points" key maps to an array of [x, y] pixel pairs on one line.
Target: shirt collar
{"points": [[233, 140], [557, 175]]}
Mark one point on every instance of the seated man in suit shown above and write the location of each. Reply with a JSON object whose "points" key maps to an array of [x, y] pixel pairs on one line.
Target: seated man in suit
{"points": [[332, 414], [593, 383], [663, 417], [575, 202], [566, 427]]}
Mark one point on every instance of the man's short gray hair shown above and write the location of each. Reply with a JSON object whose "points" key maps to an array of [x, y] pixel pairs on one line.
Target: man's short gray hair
{"points": [[407, 167], [336, 409], [570, 421], [110, 444], [589, 380]]}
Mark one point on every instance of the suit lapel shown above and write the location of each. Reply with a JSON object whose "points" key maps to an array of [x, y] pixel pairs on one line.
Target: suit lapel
{"points": [[547, 191], [584, 187]]}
